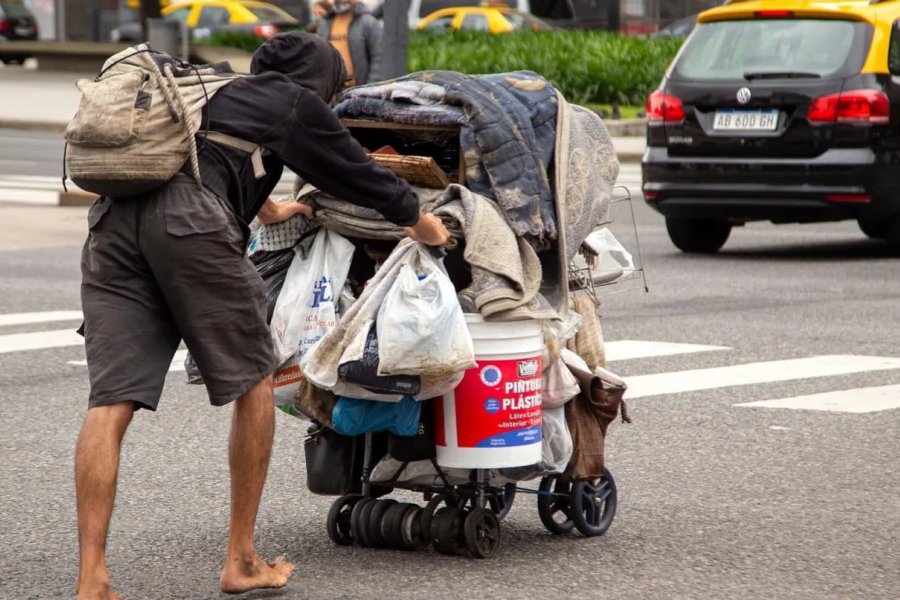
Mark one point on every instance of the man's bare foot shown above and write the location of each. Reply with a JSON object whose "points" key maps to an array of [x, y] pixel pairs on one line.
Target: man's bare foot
{"points": [[239, 576], [95, 591]]}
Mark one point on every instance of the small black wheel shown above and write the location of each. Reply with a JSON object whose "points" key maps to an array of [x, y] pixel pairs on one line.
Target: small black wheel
{"points": [[428, 514], [594, 504], [702, 236], [376, 516], [392, 525], [482, 533], [355, 519], [446, 526], [338, 524], [553, 505], [361, 531], [412, 529], [501, 504]]}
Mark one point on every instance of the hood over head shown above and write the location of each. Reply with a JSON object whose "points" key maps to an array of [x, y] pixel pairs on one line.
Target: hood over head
{"points": [[307, 60]]}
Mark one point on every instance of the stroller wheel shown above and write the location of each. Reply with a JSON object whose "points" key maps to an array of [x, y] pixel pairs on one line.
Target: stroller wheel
{"points": [[594, 504], [446, 527], [359, 520], [412, 529], [482, 533], [392, 525], [339, 530], [501, 504], [428, 514], [374, 522], [553, 505]]}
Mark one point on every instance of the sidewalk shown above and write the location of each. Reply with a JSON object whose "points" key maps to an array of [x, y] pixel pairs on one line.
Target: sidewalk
{"points": [[45, 100]]}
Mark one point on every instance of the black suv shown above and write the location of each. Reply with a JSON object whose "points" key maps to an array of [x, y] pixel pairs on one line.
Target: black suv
{"points": [[16, 23], [780, 111]]}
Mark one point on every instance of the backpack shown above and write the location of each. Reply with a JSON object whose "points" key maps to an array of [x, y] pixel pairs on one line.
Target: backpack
{"points": [[138, 123]]}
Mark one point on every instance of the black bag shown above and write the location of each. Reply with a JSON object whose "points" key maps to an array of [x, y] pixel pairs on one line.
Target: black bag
{"points": [[273, 268], [364, 372], [333, 461], [419, 446]]}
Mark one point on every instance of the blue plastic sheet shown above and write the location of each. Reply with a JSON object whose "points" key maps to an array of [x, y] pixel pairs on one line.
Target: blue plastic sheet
{"points": [[352, 416]]}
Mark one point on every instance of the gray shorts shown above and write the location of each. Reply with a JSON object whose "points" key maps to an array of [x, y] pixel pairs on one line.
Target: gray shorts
{"points": [[162, 267]]}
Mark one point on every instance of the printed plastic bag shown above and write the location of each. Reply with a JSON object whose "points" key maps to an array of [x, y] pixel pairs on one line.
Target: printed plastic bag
{"points": [[420, 325], [352, 416], [306, 308]]}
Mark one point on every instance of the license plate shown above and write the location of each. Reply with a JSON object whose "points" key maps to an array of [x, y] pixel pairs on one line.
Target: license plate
{"points": [[24, 30], [746, 120]]}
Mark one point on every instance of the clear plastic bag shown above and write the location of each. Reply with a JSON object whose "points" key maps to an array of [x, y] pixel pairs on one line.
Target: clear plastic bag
{"points": [[421, 327]]}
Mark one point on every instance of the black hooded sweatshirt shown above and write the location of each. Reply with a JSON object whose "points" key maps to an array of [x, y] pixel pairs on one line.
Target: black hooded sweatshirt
{"points": [[283, 106]]}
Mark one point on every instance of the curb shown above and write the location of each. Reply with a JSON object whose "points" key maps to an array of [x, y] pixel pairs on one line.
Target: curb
{"points": [[32, 125]]}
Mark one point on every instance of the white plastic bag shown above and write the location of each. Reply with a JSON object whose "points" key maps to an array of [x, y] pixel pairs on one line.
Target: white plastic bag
{"points": [[306, 308], [606, 256], [420, 325]]}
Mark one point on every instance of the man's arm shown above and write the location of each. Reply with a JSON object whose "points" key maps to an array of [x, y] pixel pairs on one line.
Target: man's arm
{"points": [[321, 150], [276, 212]]}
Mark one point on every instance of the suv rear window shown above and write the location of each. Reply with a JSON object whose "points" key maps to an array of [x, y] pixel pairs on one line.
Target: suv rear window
{"points": [[14, 10], [733, 49]]}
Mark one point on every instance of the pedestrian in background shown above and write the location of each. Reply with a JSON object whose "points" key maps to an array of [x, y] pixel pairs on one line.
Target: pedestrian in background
{"points": [[356, 34]]}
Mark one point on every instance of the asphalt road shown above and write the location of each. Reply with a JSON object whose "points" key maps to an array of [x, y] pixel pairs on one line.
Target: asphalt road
{"points": [[716, 501]]}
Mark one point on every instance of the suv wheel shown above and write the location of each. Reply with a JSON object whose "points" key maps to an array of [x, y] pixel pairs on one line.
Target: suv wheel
{"points": [[698, 235], [873, 228], [892, 232]]}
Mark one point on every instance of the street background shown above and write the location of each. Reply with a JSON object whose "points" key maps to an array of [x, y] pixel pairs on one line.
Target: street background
{"points": [[717, 499]]}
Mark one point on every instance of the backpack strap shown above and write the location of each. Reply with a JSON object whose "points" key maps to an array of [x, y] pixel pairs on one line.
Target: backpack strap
{"points": [[255, 151]]}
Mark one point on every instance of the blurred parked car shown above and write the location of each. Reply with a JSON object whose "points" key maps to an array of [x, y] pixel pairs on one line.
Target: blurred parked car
{"points": [[16, 23], [476, 18], [779, 111], [204, 17], [680, 27]]}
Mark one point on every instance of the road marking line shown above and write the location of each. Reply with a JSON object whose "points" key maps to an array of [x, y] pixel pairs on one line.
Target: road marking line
{"points": [[17, 342], [860, 400], [641, 386], [630, 349], [39, 317], [176, 365], [18, 196]]}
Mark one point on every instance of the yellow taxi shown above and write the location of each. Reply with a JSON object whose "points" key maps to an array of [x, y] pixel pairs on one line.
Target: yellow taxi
{"points": [[779, 110], [204, 17], [481, 18]]}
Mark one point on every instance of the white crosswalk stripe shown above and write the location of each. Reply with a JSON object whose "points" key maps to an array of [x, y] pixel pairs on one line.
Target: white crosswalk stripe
{"points": [[642, 386], [619, 352]]}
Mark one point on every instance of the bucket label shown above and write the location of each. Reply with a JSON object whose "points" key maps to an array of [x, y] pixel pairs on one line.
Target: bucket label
{"points": [[498, 404]]}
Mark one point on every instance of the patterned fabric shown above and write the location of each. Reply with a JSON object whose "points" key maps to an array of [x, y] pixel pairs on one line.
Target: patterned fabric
{"points": [[279, 236]]}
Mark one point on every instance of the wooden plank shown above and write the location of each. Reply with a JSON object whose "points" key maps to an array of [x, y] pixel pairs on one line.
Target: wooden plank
{"points": [[367, 124]]}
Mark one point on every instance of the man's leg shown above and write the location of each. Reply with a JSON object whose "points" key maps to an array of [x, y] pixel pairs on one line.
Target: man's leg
{"points": [[96, 470], [252, 431]]}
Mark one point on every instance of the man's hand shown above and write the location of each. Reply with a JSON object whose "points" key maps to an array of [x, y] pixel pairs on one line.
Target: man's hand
{"points": [[276, 212], [429, 230]]}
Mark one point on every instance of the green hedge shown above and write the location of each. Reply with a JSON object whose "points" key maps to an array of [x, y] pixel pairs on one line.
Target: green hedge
{"points": [[587, 66]]}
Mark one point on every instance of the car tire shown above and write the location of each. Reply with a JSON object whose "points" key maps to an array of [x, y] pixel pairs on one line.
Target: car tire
{"points": [[892, 232], [702, 236], [873, 228]]}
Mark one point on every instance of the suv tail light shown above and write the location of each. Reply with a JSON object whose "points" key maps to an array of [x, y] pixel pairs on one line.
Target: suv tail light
{"points": [[265, 31], [866, 107], [4, 25], [664, 108]]}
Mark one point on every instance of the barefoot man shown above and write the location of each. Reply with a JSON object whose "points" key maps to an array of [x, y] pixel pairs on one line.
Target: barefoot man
{"points": [[170, 265]]}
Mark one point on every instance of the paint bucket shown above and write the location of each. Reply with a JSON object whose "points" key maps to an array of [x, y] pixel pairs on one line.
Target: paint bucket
{"points": [[492, 420]]}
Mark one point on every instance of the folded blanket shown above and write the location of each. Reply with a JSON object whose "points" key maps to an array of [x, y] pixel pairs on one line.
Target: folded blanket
{"points": [[507, 134], [506, 272]]}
